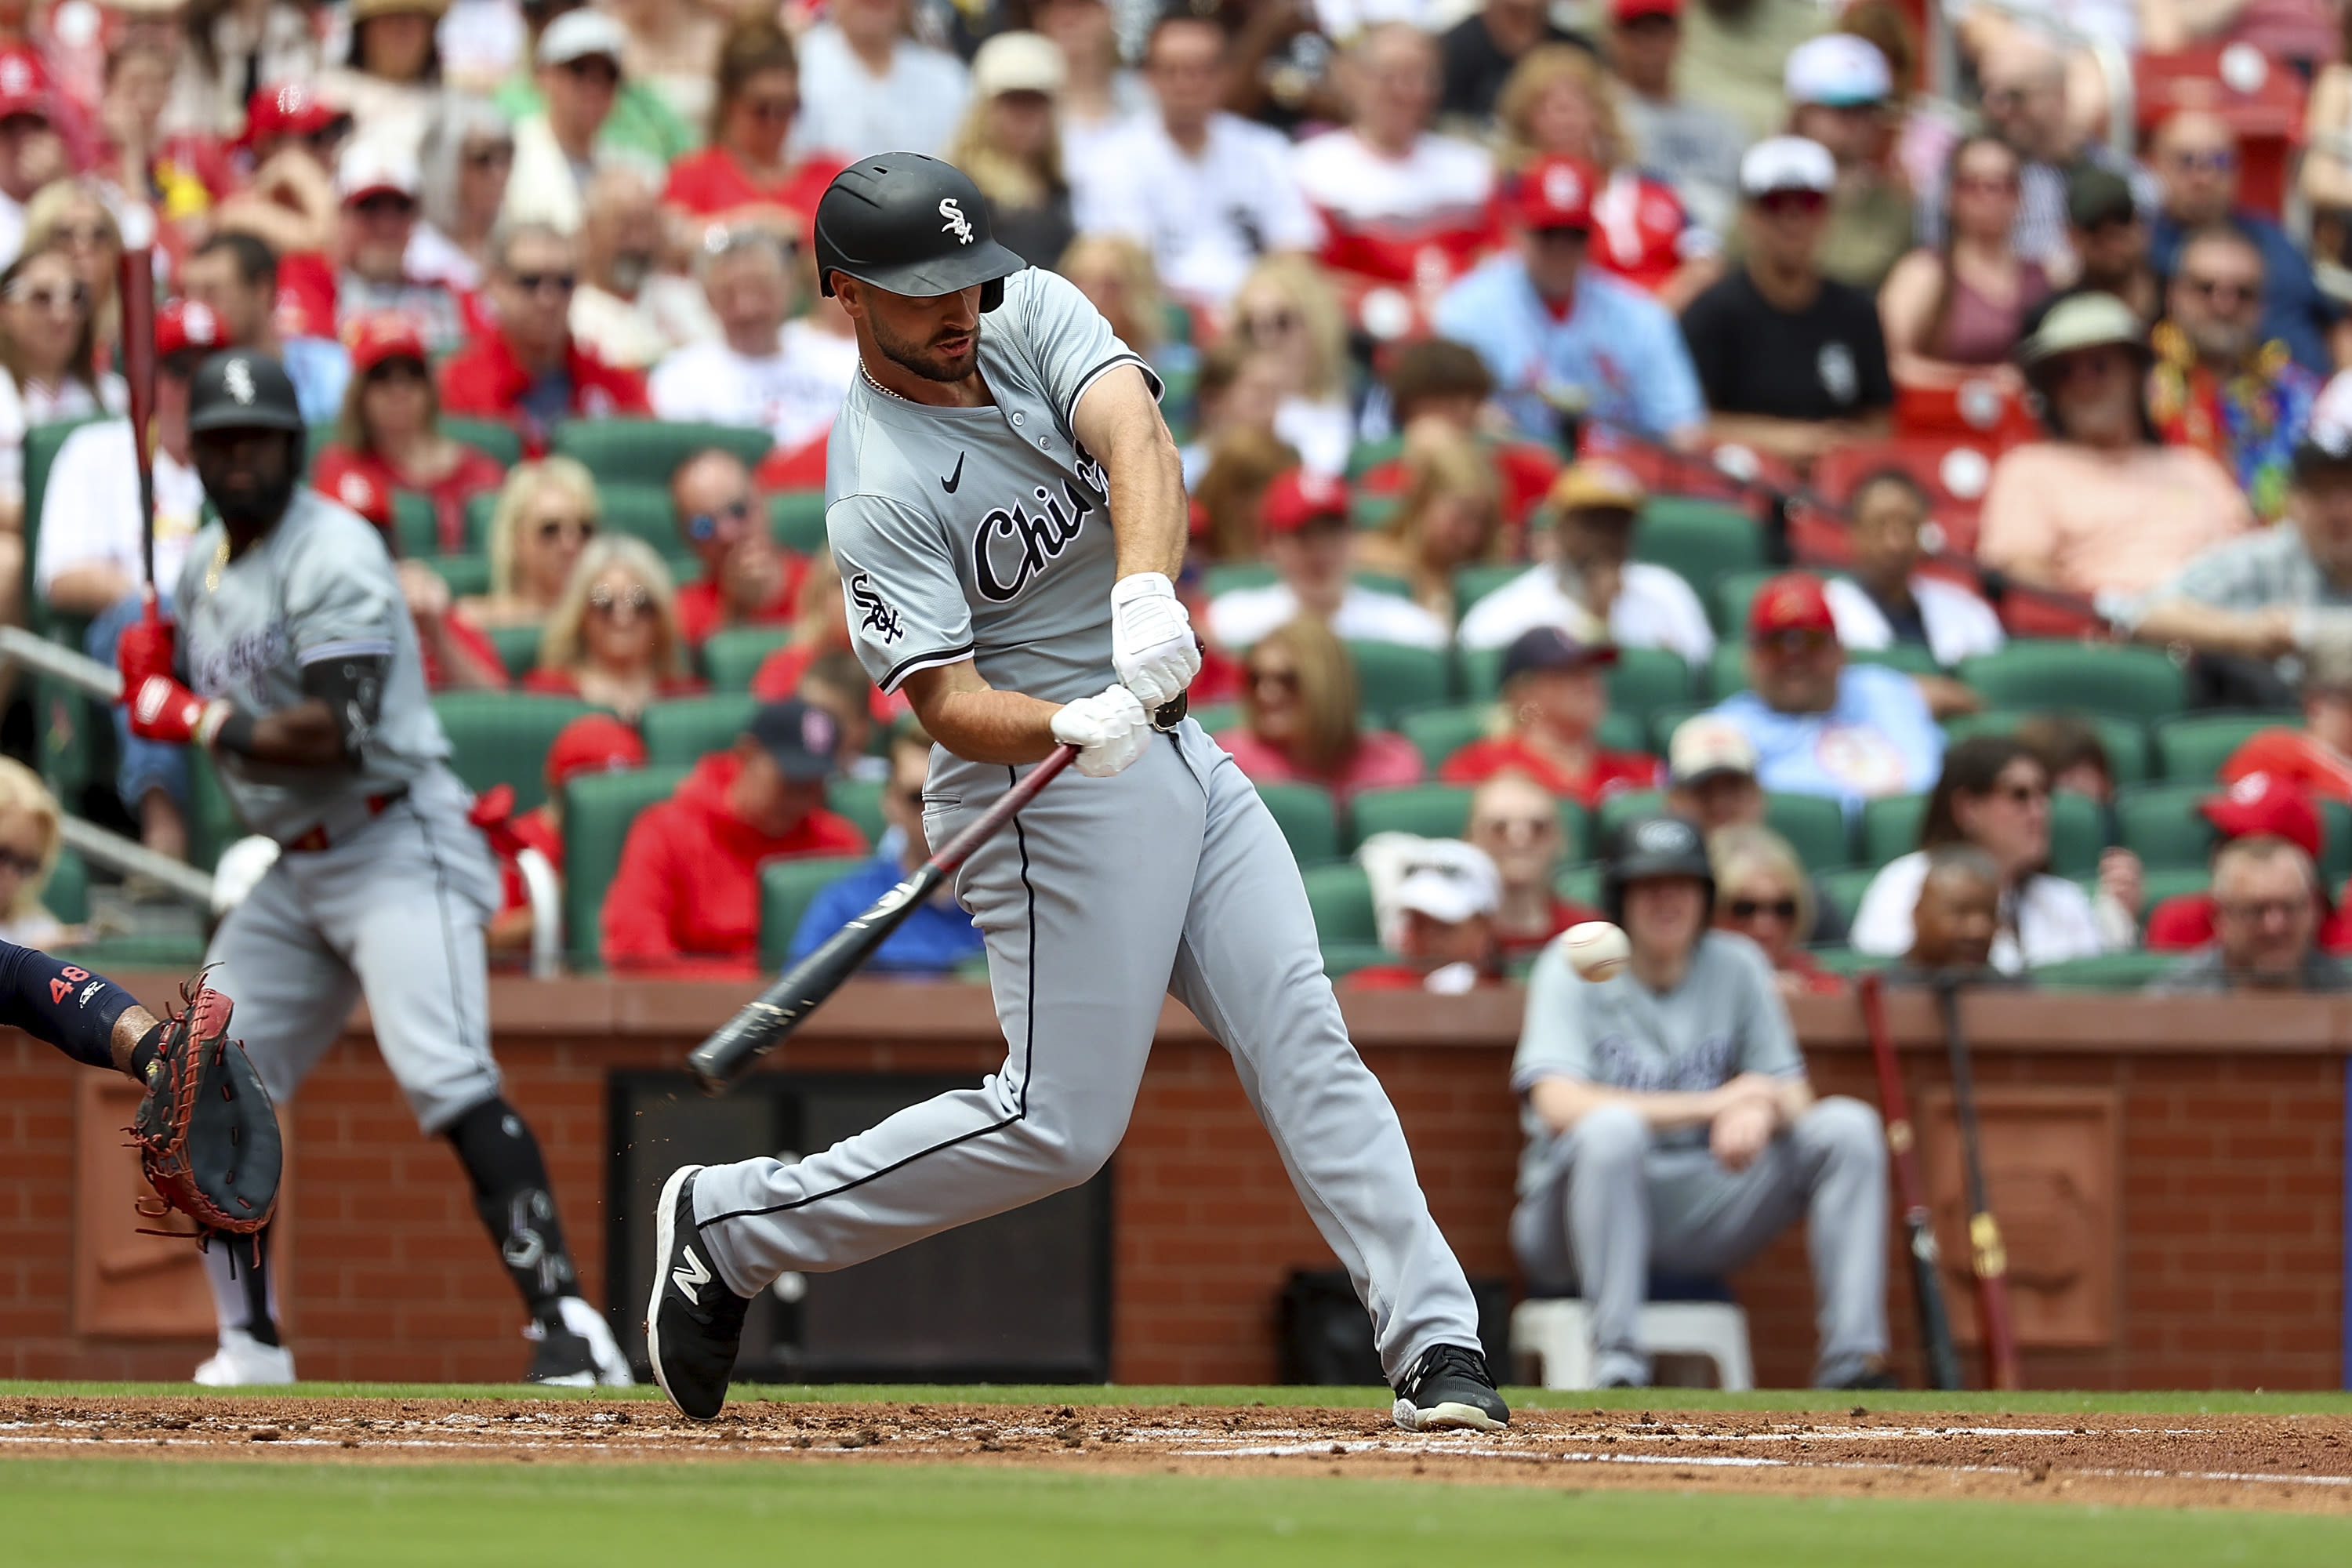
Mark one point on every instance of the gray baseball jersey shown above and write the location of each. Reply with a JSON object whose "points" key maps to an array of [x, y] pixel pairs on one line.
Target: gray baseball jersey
{"points": [[320, 585], [984, 534]]}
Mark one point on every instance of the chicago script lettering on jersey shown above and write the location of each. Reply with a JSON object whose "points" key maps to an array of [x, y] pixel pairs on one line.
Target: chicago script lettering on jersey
{"points": [[244, 660], [1011, 546], [880, 619]]}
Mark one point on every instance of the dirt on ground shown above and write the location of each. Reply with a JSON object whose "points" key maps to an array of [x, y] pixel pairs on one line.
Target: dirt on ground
{"points": [[2301, 1464]]}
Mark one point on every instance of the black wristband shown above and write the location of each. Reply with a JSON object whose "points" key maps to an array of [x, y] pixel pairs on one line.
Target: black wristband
{"points": [[235, 733]]}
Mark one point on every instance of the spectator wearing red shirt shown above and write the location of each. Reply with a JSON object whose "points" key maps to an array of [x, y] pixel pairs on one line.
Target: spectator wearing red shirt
{"points": [[1436, 385], [591, 744], [2318, 757], [1444, 925], [2256, 805], [688, 893], [1300, 699], [1555, 696], [457, 656], [389, 434], [526, 369], [748, 579], [613, 638], [747, 174], [1516, 823]]}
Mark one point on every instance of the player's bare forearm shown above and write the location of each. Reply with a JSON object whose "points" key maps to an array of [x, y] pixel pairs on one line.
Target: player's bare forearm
{"points": [[975, 720], [303, 736], [1119, 424], [129, 1028]]}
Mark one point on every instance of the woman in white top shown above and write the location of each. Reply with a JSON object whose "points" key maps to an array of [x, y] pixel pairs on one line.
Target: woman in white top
{"points": [[1285, 308], [1995, 794], [46, 375]]}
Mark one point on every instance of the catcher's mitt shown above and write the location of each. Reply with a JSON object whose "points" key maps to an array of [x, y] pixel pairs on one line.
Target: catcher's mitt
{"points": [[207, 1134]]}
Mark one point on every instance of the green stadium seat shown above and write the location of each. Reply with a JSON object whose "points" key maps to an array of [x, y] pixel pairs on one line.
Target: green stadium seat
{"points": [[416, 523], [680, 733], [643, 512], [1341, 959], [480, 508], [1814, 825], [2161, 825], [1366, 455], [1214, 718], [75, 733], [2164, 882], [1671, 718], [1442, 811], [1439, 732], [1890, 828], [502, 737], [648, 451], [468, 576], [732, 656], [500, 439], [172, 952], [1580, 883], [1472, 584], [518, 648], [1699, 540], [1392, 679], [1229, 575], [598, 809], [1844, 962], [2107, 972], [859, 800], [2123, 740], [797, 518], [1844, 889], [1727, 601], [2192, 750], [787, 888], [1341, 894], [1641, 681], [1308, 820], [67, 893], [2128, 683], [1367, 509]]}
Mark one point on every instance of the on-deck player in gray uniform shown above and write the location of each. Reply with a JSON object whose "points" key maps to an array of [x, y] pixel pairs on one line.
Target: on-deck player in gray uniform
{"points": [[990, 564], [301, 675]]}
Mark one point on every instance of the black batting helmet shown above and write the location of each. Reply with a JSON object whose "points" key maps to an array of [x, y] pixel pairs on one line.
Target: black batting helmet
{"points": [[241, 390], [1651, 847], [911, 224]]}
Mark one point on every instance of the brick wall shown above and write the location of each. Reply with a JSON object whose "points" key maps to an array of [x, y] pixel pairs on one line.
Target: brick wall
{"points": [[2230, 1167]]}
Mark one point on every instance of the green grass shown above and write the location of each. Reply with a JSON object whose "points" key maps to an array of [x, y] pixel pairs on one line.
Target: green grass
{"points": [[2256, 1402], [511, 1516]]}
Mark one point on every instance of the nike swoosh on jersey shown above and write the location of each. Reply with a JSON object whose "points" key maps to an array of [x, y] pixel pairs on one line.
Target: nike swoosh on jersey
{"points": [[950, 483]]}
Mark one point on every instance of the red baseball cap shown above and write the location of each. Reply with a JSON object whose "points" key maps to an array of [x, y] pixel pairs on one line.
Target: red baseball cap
{"points": [[1298, 497], [592, 743], [286, 109], [2265, 802], [23, 84], [1557, 193], [183, 324], [1634, 10], [384, 335], [1792, 601]]}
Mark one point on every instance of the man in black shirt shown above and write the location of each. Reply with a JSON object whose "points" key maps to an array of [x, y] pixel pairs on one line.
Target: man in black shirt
{"points": [[1481, 50], [1792, 363]]}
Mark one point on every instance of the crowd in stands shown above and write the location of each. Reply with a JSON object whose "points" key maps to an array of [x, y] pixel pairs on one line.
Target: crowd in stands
{"points": [[1587, 407]]}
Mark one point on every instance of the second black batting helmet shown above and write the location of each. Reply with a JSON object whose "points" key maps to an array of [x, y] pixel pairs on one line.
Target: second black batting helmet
{"points": [[913, 226], [1652, 846], [241, 390]]}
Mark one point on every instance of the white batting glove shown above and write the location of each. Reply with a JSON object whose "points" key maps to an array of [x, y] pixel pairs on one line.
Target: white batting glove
{"points": [[1151, 643], [1109, 731]]}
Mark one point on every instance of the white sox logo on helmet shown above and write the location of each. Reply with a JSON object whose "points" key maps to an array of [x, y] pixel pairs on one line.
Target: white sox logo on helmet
{"points": [[957, 224], [237, 376]]}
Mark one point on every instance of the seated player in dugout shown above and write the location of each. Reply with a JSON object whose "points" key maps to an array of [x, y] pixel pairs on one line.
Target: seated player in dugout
{"points": [[1671, 1127], [294, 662], [1007, 510]]}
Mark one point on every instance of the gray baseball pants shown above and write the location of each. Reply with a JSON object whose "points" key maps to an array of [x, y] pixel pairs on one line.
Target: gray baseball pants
{"points": [[1103, 898], [1613, 1206]]}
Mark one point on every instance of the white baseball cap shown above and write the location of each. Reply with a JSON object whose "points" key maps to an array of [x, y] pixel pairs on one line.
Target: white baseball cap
{"points": [[1787, 164], [577, 35], [1706, 744], [1837, 69], [1451, 881], [368, 167], [1018, 62]]}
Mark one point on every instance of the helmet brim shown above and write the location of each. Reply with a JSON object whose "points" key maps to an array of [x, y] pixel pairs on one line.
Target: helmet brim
{"points": [[246, 416], [928, 279]]}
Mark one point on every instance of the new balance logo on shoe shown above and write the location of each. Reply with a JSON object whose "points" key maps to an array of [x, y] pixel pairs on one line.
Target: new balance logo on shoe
{"points": [[691, 1279]]}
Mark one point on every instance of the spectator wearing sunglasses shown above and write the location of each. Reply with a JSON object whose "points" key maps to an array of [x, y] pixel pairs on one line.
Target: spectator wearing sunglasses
{"points": [[1793, 363], [45, 351], [378, 190], [1762, 893], [747, 578], [750, 175], [72, 215], [2195, 155], [768, 370], [2218, 385], [937, 936], [547, 514], [2106, 234], [556, 149], [1516, 821], [528, 369], [388, 432], [465, 159], [1300, 698], [612, 639], [1820, 725], [1994, 793]]}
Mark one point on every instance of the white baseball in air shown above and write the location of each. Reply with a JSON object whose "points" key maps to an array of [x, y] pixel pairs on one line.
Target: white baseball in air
{"points": [[1596, 949]]}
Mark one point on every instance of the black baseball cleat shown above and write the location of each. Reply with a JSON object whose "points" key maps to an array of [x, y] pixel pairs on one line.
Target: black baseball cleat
{"points": [[694, 1325], [1447, 1389]]}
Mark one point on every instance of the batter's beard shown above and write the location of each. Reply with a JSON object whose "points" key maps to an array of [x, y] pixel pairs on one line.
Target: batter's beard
{"points": [[918, 358]]}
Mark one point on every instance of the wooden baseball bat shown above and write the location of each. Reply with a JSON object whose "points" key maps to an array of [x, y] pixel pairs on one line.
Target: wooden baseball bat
{"points": [[1918, 1224], [1988, 1259], [135, 286]]}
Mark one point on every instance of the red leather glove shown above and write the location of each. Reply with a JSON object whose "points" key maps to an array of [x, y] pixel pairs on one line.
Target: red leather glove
{"points": [[146, 648], [163, 710]]}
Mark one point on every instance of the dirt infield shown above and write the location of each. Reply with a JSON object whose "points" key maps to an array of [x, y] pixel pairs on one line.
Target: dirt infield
{"points": [[2301, 1464]]}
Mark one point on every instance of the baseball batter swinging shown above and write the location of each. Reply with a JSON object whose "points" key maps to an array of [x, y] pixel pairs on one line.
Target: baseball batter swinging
{"points": [[294, 661], [1007, 510]]}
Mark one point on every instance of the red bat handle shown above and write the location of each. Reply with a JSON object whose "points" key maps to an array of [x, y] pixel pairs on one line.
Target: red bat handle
{"points": [[135, 284]]}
